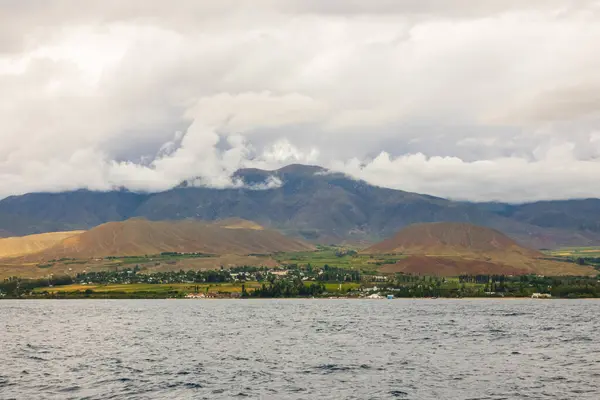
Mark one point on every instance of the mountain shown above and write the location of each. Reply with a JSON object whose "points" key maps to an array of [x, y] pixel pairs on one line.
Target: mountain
{"points": [[311, 203], [142, 237], [451, 249], [580, 215], [65, 211]]}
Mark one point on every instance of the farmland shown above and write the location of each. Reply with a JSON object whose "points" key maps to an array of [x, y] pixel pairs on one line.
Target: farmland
{"points": [[575, 252], [336, 257], [143, 289]]}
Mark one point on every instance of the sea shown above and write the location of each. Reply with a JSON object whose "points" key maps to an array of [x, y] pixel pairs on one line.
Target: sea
{"points": [[300, 349]]}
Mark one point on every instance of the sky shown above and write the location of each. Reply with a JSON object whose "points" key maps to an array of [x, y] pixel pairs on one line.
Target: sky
{"points": [[478, 100]]}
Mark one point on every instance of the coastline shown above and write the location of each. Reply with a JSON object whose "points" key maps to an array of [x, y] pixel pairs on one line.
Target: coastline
{"points": [[299, 298]]}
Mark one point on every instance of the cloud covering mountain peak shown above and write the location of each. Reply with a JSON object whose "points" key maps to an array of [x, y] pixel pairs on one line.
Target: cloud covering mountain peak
{"points": [[494, 101]]}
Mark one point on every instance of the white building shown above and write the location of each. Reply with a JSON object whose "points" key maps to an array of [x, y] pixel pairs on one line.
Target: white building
{"points": [[541, 296]]}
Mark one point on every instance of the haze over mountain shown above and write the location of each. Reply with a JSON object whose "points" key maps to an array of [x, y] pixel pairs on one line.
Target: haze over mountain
{"points": [[452, 249], [307, 202]]}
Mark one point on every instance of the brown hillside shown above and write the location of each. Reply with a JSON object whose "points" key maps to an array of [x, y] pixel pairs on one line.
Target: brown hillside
{"points": [[451, 249], [238, 223], [448, 266], [449, 239], [19, 246], [455, 266], [139, 237]]}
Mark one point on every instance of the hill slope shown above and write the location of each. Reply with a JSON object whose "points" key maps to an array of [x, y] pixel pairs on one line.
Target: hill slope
{"points": [[140, 237], [22, 245], [450, 239], [311, 203], [238, 223], [452, 249]]}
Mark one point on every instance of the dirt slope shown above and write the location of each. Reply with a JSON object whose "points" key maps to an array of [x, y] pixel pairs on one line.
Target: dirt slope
{"points": [[140, 236], [19, 246], [449, 238], [451, 249], [455, 266], [238, 223]]}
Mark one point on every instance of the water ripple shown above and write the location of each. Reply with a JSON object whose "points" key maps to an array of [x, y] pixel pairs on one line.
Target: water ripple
{"points": [[300, 349]]}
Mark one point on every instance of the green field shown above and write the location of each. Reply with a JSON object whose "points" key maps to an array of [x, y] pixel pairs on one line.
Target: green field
{"points": [[335, 287], [179, 288], [331, 256], [126, 260], [575, 252], [150, 288]]}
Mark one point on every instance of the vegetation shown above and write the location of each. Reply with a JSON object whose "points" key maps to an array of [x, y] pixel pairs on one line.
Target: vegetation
{"points": [[164, 256], [306, 281], [575, 252], [493, 286], [340, 257], [287, 288], [578, 255]]}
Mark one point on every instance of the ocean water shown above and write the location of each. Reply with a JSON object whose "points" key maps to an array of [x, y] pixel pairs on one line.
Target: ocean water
{"points": [[300, 349]]}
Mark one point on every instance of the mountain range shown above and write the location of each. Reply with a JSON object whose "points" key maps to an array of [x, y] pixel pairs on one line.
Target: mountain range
{"points": [[311, 203]]}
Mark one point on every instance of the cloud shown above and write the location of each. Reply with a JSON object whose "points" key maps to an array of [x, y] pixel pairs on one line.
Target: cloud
{"points": [[272, 182], [481, 180], [452, 99]]}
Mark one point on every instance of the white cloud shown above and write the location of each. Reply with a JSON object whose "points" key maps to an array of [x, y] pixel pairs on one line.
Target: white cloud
{"points": [[509, 179], [494, 100], [272, 182]]}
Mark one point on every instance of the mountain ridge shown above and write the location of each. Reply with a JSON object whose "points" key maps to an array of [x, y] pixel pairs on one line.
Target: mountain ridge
{"points": [[311, 203]]}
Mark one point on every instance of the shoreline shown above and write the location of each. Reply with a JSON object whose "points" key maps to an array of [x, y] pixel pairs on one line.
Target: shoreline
{"points": [[299, 298]]}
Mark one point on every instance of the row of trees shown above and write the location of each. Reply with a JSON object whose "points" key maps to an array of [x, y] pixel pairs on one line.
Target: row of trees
{"points": [[494, 285], [286, 288], [129, 275], [17, 287], [334, 274]]}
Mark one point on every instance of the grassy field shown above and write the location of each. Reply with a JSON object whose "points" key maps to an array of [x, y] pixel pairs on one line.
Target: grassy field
{"points": [[156, 258], [335, 287], [149, 287], [575, 252], [330, 256], [148, 264], [177, 287]]}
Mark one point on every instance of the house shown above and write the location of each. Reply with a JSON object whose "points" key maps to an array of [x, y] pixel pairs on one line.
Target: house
{"points": [[378, 278], [541, 296], [195, 296]]}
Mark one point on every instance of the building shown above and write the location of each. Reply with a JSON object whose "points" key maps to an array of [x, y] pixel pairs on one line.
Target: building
{"points": [[541, 296]]}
